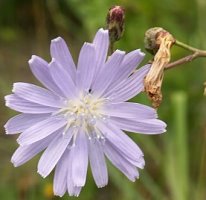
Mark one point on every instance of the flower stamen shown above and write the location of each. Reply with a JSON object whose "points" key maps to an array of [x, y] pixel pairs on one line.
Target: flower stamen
{"points": [[84, 113]]}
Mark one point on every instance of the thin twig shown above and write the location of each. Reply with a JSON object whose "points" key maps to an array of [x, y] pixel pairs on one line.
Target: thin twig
{"points": [[184, 60], [196, 54]]}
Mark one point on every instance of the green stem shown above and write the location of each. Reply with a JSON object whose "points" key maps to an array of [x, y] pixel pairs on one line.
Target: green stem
{"points": [[186, 46], [196, 54], [111, 48]]}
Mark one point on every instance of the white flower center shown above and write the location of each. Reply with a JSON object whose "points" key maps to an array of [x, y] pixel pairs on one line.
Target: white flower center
{"points": [[84, 113]]}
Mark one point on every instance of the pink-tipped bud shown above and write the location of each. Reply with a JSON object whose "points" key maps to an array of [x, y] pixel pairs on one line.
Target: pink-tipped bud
{"points": [[115, 23]]}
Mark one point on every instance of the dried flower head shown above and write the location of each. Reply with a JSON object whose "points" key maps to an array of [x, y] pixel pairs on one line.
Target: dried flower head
{"points": [[158, 41]]}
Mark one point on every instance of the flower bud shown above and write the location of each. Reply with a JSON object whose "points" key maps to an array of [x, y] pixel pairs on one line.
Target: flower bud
{"points": [[115, 23]]}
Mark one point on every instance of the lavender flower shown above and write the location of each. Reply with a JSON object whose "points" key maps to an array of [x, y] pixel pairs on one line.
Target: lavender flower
{"points": [[80, 116]]}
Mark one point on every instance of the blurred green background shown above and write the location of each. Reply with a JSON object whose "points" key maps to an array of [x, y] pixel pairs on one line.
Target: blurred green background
{"points": [[175, 161]]}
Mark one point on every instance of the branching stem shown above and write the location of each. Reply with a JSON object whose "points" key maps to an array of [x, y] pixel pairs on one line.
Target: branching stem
{"points": [[196, 54]]}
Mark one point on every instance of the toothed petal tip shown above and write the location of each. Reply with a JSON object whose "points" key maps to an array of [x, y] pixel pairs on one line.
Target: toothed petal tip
{"points": [[141, 53], [58, 194], [53, 60], [6, 130], [31, 60], [103, 30], [58, 39], [14, 162], [120, 51], [41, 174], [101, 186]]}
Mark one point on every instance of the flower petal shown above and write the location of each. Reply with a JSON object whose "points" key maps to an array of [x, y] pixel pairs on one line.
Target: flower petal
{"points": [[86, 66], [108, 71], [129, 87], [53, 153], [60, 175], [129, 110], [21, 105], [25, 153], [129, 64], [101, 43], [20, 123], [145, 126], [62, 79], [37, 94], [41, 130], [60, 52], [39, 68], [120, 140], [80, 160], [72, 189], [120, 162], [97, 163]]}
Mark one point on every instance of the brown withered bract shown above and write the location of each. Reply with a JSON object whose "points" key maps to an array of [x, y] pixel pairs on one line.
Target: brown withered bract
{"points": [[158, 42]]}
